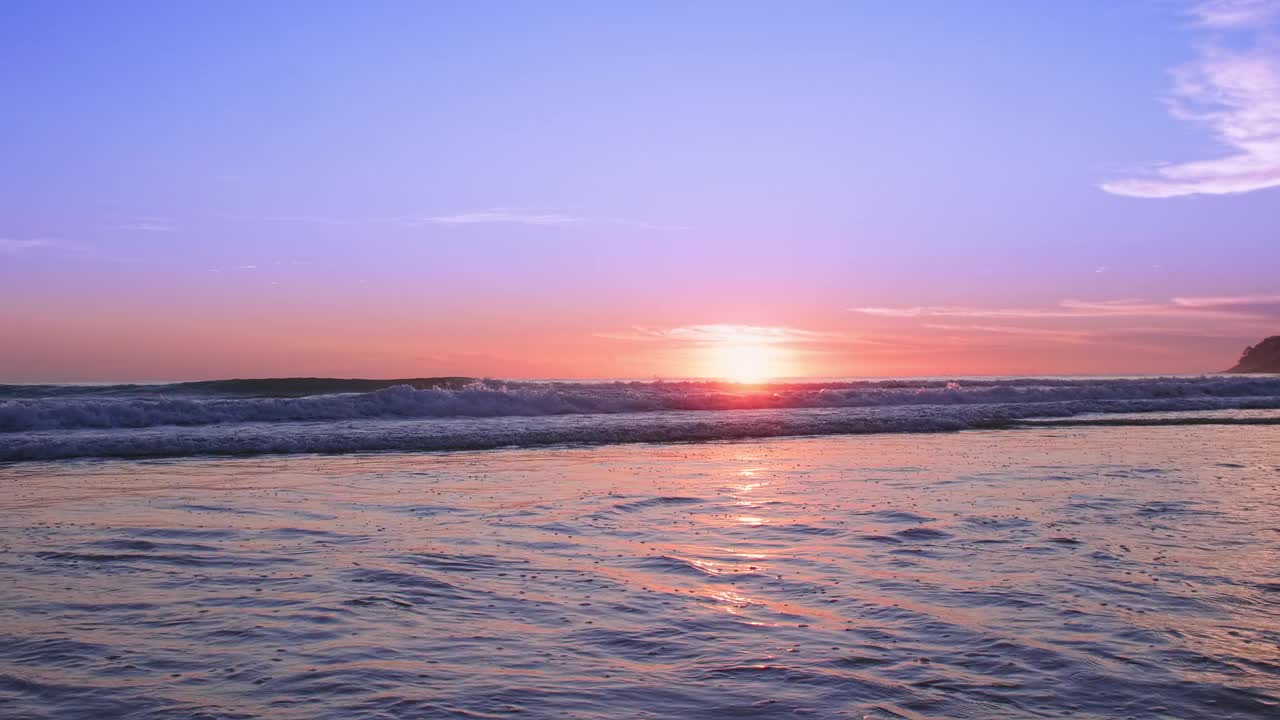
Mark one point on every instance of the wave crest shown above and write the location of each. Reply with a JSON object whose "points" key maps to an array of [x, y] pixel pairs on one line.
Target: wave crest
{"points": [[488, 399]]}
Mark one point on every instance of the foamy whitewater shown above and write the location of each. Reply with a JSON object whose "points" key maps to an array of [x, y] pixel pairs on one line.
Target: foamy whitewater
{"points": [[320, 415]]}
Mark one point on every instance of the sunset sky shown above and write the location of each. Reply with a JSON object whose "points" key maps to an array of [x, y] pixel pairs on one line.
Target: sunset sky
{"points": [[595, 189]]}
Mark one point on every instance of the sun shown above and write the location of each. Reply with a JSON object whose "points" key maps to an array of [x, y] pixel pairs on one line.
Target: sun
{"points": [[746, 362]]}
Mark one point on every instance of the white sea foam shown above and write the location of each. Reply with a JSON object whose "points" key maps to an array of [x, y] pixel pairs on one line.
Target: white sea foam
{"points": [[483, 433], [176, 406]]}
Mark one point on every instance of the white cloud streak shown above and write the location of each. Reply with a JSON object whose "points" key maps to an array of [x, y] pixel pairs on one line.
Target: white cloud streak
{"points": [[1227, 301], [1063, 336], [150, 225], [1179, 307], [56, 248], [18, 246], [489, 216], [1235, 13], [505, 216], [1233, 93]]}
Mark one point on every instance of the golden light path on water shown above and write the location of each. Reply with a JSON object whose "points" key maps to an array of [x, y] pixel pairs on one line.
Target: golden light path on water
{"points": [[1096, 572]]}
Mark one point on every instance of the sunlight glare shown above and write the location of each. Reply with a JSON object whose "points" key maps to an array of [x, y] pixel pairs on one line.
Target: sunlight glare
{"points": [[746, 362]]}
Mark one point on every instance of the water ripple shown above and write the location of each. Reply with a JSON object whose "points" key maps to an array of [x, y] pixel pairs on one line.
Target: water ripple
{"points": [[1104, 573]]}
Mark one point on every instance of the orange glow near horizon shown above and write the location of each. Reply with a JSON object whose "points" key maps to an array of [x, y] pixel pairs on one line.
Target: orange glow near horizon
{"points": [[135, 341]]}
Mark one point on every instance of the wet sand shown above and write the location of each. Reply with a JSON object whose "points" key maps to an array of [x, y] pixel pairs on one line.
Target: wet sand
{"points": [[1095, 572]]}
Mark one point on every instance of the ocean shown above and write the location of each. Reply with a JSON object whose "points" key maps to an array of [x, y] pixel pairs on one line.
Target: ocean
{"points": [[322, 415], [449, 548]]}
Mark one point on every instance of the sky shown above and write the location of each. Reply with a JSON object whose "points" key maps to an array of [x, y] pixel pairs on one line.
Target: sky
{"points": [[636, 189]]}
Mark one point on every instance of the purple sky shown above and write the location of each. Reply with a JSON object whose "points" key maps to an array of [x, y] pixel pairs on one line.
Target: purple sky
{"points": [[582, 189]]}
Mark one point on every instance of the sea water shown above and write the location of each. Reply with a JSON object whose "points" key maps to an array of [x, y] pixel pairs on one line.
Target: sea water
{"points": [[1077, 547]]}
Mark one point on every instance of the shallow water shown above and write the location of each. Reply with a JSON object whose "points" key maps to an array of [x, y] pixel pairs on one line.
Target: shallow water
{"points": [[1096, 572]]}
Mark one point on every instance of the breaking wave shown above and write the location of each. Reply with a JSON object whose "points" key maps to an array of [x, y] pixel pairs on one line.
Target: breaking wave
{"points": [[177, 420], [177, 406]]}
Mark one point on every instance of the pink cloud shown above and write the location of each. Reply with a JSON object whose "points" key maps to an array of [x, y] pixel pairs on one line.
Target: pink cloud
{"points": [[1180, 307]]}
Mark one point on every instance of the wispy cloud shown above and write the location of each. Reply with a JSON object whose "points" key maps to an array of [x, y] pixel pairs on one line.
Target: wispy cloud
{"points": [[52, 247], [1227, 301], [1235, 94], [1064, 309], [1233, 306], [18, 246], [1157, 339], [1065, 336], [532, 217], [722, 334], [488, 216], [1235, 13], [150, 224], [506, 216]]}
